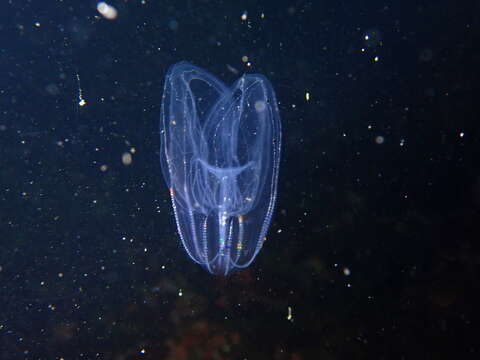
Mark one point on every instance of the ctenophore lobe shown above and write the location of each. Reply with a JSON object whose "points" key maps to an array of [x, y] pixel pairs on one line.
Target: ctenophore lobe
{"points": [[220, 154]]}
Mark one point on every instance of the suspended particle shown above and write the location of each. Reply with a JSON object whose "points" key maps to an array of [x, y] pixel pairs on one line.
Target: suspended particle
{"points": [[107, 11], [173, 25], [290, 314], [127, 158], [81, 100], [426, 55], [372, 38], [52, 89], [232, 69]]}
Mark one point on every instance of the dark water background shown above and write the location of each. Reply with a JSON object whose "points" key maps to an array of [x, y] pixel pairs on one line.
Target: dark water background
{"points": [[373, 251]]}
